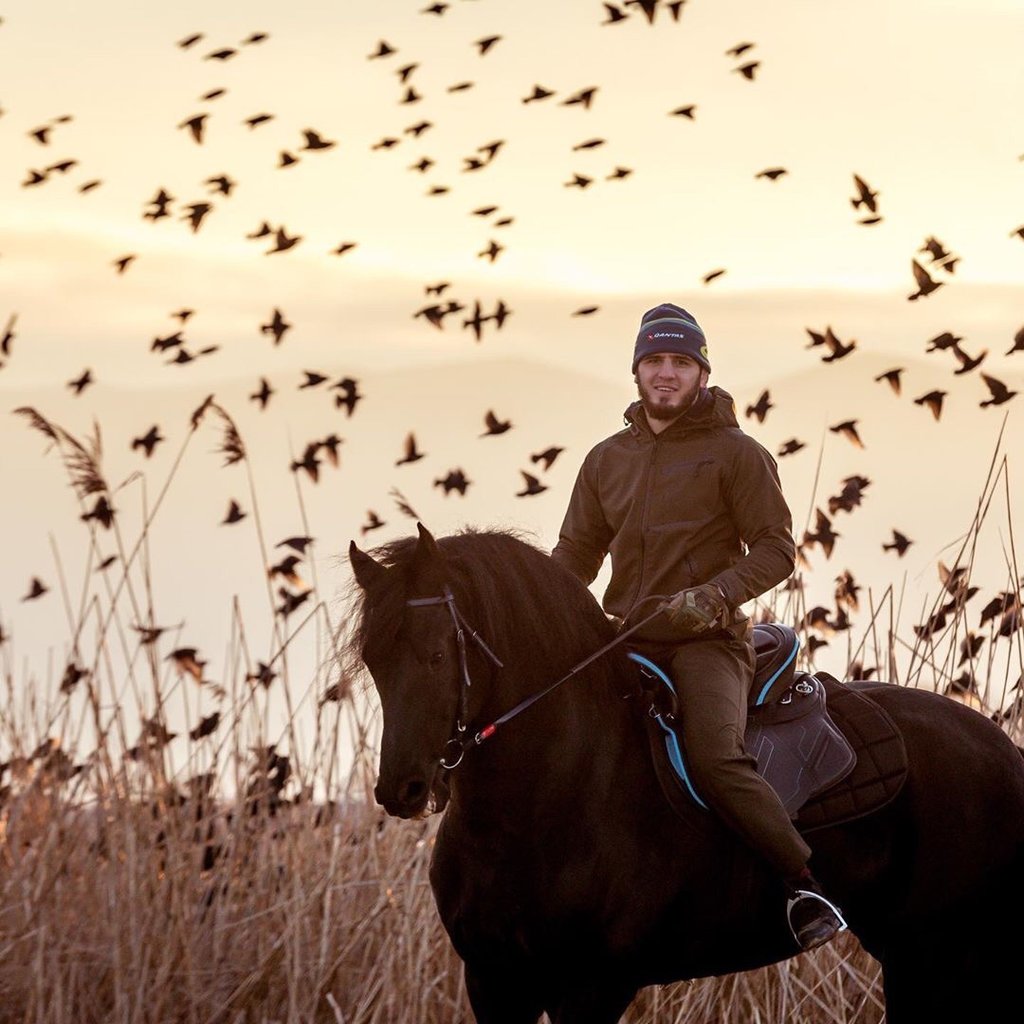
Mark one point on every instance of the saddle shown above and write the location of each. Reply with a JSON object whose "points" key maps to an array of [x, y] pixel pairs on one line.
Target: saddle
{"points": [[830, 752]]}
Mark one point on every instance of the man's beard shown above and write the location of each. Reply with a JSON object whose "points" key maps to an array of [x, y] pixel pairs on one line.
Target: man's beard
{"points": [[658, 408]]}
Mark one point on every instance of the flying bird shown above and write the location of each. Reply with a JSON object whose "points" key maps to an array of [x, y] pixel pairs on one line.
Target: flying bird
{"points": [[411, 452], [539, 93], [933, 401], [455, 480], [899, 543], [709, 277], [196, 126], [967, 362], [494, 425], [36, 589], [866, 196], [349, 394], [547, 456], [747, 70], [276, 327], [148, 441], [926, 284], [532, 485], [234, 514], [848, 428], [790, 447], [771, 173], [373, 522], [760, 408], [892, 378], [262, 395], [998, 391], [81, 382]]}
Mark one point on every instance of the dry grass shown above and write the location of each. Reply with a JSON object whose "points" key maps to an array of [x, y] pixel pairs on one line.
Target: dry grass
{"points": [[232, 882]]}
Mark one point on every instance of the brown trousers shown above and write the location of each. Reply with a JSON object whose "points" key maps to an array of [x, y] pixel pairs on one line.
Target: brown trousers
{"points": [[712, 679]]}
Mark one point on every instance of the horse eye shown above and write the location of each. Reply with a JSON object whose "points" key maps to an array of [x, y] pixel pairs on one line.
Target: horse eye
{"points": [[436, 658]]}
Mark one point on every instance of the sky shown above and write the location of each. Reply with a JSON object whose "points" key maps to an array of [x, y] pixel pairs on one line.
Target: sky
{"points": [[445, 182]]}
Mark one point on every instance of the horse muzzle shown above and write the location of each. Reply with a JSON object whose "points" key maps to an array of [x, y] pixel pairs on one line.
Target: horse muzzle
{"points": [[415, 795]]}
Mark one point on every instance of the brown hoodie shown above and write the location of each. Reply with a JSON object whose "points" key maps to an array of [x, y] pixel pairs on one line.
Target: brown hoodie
{"points": [[698, 503]]}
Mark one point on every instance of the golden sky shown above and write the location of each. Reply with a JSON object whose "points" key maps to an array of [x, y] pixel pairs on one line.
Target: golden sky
{"points": [[920, 99]]}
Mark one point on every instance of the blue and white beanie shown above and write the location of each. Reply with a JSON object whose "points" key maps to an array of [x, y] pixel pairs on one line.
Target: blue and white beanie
{"points": [[670, 328]]}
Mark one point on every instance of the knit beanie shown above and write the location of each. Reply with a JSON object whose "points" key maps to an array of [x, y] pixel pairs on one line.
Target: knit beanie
{"points": [[670, 328]]}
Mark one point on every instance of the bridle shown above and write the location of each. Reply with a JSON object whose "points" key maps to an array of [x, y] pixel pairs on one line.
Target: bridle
{"points": [[462, 627], [460, 742]]}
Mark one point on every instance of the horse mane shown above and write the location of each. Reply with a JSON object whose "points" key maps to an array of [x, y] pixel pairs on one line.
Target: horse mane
{"points": [[523, 603]]}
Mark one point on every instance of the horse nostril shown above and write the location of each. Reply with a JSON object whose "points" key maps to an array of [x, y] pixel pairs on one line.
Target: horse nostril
{"points": [[412, 792]]}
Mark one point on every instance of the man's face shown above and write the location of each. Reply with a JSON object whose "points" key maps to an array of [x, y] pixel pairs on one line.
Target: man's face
{"points": [[668, 384]]}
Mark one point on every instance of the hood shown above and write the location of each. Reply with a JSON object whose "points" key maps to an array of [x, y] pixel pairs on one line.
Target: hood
{"points": [[714, 408]]}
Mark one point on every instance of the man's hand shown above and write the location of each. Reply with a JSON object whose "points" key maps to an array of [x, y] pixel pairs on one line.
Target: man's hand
{"points": [[698, 609]]}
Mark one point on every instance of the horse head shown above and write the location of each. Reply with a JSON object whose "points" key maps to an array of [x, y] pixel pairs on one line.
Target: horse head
{"points": [[410, 647]]}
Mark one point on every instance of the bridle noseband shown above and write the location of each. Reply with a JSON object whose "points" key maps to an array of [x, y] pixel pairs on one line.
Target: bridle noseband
{"points": [[457, 741]]}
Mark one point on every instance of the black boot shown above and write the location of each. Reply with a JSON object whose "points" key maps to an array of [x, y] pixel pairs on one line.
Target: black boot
{"points": [[813, 919]]}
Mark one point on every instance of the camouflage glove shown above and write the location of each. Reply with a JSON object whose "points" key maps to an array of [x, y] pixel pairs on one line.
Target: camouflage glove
{"points": [[698, 609]]}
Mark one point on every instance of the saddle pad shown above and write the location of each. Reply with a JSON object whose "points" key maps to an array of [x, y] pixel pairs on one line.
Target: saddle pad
{"points": [[881, 768], [875, 779]]}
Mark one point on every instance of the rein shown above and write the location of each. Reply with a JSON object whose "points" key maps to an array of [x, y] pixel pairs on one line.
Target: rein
{"points": [[460, 741]]}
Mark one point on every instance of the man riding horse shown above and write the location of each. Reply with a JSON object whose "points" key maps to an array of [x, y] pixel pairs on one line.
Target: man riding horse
{"points": [[689, 505]]}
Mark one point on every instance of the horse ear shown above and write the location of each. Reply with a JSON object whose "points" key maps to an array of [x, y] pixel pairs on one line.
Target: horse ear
{"points": [[366, 568], [427, 550]]}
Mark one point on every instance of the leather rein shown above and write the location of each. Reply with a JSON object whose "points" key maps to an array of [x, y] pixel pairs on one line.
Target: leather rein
{"points": [[461, 740]]}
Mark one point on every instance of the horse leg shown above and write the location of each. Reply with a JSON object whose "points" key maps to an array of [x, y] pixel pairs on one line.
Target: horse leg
{"points": [[501, 998], [599, 1002]]}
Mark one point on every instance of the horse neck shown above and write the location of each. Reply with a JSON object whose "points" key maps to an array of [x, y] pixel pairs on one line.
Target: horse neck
{"points": [[582, 734]]}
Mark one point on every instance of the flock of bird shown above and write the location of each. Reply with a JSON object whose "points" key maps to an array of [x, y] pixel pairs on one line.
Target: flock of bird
{"points": [[932, 267]]}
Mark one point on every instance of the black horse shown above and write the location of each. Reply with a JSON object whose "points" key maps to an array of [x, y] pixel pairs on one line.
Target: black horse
{"points": [[563, 878]]}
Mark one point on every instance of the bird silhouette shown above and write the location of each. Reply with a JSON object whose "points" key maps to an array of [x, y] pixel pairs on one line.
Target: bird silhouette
{"points": [[384, 49], [942, 341], [309, 462], [8, 337], [759, 409], [315, 141], [1018, 342], [196, 126], [262, 395], [455, 480], [539, 93], [287, 568], [187, 662], [207, 726], [330, 444], [476, 321], [747, 70], [283, 241], [234, 514], [585, 310], [36, 589], [967, 362], [101, 512], [933, 401], [494, 425], [866, 196], [276, 327], [688, 111], [582, 98], [999, 392], [123, 262], [823, 534], [312, 379], [411, 452], [614, 15], [790, 447], [848, 428], [899, 543], [771, 173], [348, 396], [531, 485], [373, 522], [926, 284], [148, 441], [299, 544], [81, 382], [257, 119], [485, 44], [712, 275], [547, 456], [892, 378]]}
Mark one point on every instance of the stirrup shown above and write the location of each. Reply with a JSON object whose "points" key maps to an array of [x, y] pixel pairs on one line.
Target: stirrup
{"points": [[795, 897]]}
